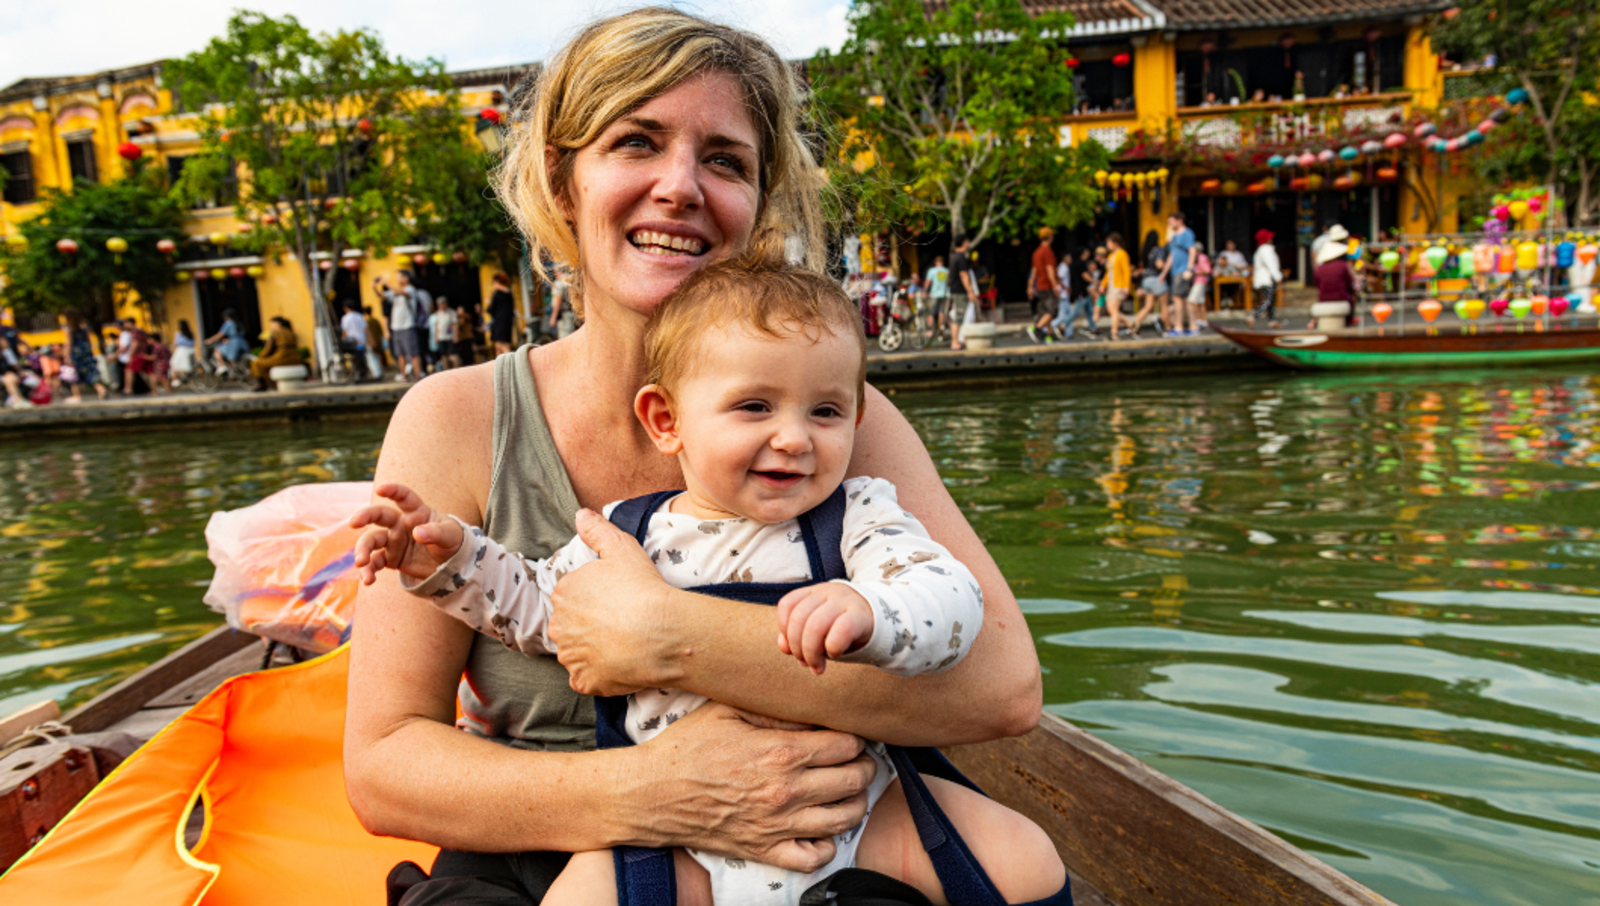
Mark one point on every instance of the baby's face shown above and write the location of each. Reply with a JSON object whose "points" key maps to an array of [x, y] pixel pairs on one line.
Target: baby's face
{"points": [[767, 425]]}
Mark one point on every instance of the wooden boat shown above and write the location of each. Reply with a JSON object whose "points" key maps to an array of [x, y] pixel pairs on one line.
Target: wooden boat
{"points": [[1130, 835], [1473, 345]]}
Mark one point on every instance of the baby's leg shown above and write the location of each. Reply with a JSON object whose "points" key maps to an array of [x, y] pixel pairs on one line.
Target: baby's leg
{"points": [[1017, 855], [590, 879]]}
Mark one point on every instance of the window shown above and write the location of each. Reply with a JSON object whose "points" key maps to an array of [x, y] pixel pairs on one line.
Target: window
{"points": [[19, 176], [227, 193], [80, 160]]}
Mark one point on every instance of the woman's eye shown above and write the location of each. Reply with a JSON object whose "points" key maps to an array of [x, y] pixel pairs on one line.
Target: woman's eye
{"points": [[635, 141], [729, 162]]}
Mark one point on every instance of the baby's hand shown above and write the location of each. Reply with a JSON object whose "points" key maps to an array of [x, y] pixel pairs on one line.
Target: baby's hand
{"points": [[823, 621], [408, 536]]}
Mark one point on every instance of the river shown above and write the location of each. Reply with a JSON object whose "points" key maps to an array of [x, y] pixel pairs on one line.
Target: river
{"points": [[1362, 611]]}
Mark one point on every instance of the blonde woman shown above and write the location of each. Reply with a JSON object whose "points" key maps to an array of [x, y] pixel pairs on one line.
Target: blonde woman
{"points": [[656, 142]]}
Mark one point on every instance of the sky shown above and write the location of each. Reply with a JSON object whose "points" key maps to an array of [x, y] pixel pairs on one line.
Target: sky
{"points": [[54, 37]]}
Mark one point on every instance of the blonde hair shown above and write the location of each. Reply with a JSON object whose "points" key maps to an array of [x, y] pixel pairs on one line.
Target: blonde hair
{"points": [[757, 291], [618, 64]]}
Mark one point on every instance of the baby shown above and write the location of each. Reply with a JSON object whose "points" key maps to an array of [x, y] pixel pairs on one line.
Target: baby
{"points": [[756, 381]]}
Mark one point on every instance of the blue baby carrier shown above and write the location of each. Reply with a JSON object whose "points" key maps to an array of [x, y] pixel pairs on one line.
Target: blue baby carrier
{"points": [[645, 875]]}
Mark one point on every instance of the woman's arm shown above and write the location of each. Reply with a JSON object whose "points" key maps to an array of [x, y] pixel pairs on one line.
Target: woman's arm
{"points": [[619, 627], [711, 780]]}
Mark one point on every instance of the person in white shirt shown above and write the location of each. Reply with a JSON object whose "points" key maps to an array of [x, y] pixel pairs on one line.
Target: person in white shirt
{"points": [[1267, 274], [442, 334], [1231, 262]]}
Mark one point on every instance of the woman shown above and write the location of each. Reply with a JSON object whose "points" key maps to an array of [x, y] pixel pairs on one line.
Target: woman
{"points": [[282, 350], [1266, 274], [1336, 279], [656, 142], [85, 366], [502, 314], [231, 335], [183, 360]]}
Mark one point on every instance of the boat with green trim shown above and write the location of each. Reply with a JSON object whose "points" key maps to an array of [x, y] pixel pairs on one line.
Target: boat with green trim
{"points": [[1440, 346]]}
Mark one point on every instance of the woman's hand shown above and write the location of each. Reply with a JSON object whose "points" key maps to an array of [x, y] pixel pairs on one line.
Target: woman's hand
{"points": [[611, 616], [776, 796]]}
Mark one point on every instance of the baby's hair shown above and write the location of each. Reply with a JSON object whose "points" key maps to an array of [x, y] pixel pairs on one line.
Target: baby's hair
{"points": [[762, 293]]}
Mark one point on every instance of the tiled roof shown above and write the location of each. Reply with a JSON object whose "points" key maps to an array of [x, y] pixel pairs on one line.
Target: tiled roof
{"points": [[1187, 15], [1092, 16]]}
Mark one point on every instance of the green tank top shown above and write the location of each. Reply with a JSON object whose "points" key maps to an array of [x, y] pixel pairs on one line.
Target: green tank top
{"points": [[505, 695]]}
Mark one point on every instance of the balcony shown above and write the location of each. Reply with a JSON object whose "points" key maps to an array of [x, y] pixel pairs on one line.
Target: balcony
{"points": [[1290, 122]]}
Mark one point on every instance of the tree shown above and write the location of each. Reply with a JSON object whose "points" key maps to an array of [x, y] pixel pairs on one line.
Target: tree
{"points": [[955, 112], [342, 146], [40, 278], [1551, 49]]}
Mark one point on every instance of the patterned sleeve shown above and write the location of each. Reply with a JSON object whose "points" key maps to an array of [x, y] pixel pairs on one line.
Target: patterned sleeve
{"points": [[926, 605], [498, 592]]}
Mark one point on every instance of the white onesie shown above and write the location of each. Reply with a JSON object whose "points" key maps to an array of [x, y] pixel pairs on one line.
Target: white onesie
{"points": [[927, 609]]}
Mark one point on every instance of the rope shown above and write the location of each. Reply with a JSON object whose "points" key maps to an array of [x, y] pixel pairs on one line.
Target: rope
{"points": [[48, 731]]}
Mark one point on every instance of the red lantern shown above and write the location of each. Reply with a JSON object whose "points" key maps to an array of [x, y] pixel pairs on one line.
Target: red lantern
{"points": [[459, 257], [1373, 34], [351, 264], [246, 227], [269, 218], [365, 125], [1072, 62], [330, 204], [200, 276], [1211, 186], [1257, 188], [1121, 60], [419, 258], [325, 264], [1388, 174], [130, 152], [1286, 41], [1208, 46], [236, 272], [66, 246], [490, 114], [166, 246], [1343, 183]]}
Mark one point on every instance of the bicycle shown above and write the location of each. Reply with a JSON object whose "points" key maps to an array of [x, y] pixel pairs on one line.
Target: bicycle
{"points": [[207, 376], [903, 323]]}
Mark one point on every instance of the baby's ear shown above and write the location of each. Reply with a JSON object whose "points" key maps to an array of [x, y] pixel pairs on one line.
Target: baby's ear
{"points": [[653, 406]]}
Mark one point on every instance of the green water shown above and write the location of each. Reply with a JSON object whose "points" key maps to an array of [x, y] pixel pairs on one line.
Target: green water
{"points": [[1362, 611]]}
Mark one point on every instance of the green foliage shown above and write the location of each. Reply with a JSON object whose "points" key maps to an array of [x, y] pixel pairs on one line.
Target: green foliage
{"points": [[1551, 48], [957, 114], [341, 145], [136, 208]]}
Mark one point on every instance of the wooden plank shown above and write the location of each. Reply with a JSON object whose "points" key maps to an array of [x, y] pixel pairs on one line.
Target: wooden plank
{"points": [[133, 693], [1142, 838], [189, 691], [12, 725], [38, 786], [146, 723]]}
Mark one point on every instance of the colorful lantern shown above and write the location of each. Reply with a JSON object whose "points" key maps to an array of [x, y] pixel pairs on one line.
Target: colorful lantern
{"points": [[1389, 260], [236, 272], [365, 125], [1349, 152], [1429, 309], [1435, 255], [1527, 256], [269, 218], [1371, 146], [1326, 155], [1538, 304], [219, 238], [255, 271], [419, 258], [1536, 204], [1395, 140], [1071, 62], [1230, 187], [129, 152], [1518, 209], [1558, 305], [1470, 309], [1314, 181], [1299, 184], [200, 276], [325, 265], [1587, 252], [1307, 160], [1343, 183], [1121, 60], [218, 273], [1100, 177], [1211, 186], [1382, 311], [116, 245], [1499, 306], [1387, 174], [67, 246], [490, 114], [1275, 161], [1426, 129], [1520, 308], [166, 246], [1517, 96], [1486, 125], [17, 241], [351, 264], [1501, 213], [441, 258], [459, 257]]}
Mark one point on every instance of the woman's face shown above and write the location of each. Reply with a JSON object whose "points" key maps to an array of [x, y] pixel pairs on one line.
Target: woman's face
{"points": [[664, 191]]}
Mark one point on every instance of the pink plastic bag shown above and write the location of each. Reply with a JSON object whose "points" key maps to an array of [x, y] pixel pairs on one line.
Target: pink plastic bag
{"points": [[285, 566]]}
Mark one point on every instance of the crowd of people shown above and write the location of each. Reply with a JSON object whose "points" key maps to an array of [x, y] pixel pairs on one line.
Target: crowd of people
{"points": [[421, 335], [136, 361]]}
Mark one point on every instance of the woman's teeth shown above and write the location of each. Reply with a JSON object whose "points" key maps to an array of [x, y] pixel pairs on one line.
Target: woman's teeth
{"points": [[666, 243]]}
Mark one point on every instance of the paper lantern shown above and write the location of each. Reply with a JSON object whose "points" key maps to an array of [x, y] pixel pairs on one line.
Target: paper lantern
{"points": [[1395, 140], [1538, 304], [1100, 177], [269, 218], [166, 246], [1371, 146], [1299, 184], [1163, 173], [1558, 305], [1470, 308], [1499, 306], [1500, 212], [1429, 309], [1116, 179], [1452, 145], [236, 272], [1314, 181], [419, 258], [1520, 308], [200, 276], [351, 264], [1387, 174], [1518, 209], [325, 265], [1389, 260], [1211, 186], [441, 258], [1343, 183], [1349, 152], [1536, 204], [1230, 187], [1382, 311], [1527, 256], [459, 257], [1435, 255], [1587, 252], [1326, 155], [1426, 129], [218, 273], [129, 152], [218, 238], [1486, 125], [329, 204], [365, 125], [17, 241], [116, 245], [67, 246], [1121, 60], [1071, 62], [1275, 161], [1506, 262], [490, 114], [1517, 96], [255, 271]]}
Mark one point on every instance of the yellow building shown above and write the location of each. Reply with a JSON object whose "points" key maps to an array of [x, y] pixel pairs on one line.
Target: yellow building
{"points": [[58, 130]]}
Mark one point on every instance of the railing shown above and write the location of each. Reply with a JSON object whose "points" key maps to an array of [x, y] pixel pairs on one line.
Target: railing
{"points": [[1476, 83], [1289, 122]]}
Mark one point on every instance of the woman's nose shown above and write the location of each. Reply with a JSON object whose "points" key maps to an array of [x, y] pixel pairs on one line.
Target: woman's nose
{"points": [[678, 179]]}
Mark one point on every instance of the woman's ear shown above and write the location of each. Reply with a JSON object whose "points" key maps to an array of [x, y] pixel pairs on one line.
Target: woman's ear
{"points": [[552, 170], [653, 406]]}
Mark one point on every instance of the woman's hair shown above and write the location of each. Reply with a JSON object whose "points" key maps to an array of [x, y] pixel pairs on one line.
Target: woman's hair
{"points": [[501, 278], [228, 315], [759, 292], [618, 64], [184, 329]]}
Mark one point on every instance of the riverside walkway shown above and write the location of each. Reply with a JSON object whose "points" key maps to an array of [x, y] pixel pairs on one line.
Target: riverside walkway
{"points": [[1013, 359]]}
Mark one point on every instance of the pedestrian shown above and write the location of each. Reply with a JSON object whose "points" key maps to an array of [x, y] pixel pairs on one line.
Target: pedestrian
{"points": [[282, 350], [1266, 275], [963, 288], [502, 314], [160, 362], [124, 351], [563, 318], [1180, 239], [401, 326], [1044, 288], [183, 357], [1068, 309], [1200, 267], [375, 360], [442, 326], [1153, 288], [468, 330], [139, 363], [1118, 283], [85, 367], [353, 336], [938, 283]]}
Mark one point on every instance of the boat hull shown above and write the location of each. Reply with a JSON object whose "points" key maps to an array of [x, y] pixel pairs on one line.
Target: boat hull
{"points": [[1446, 347]]}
